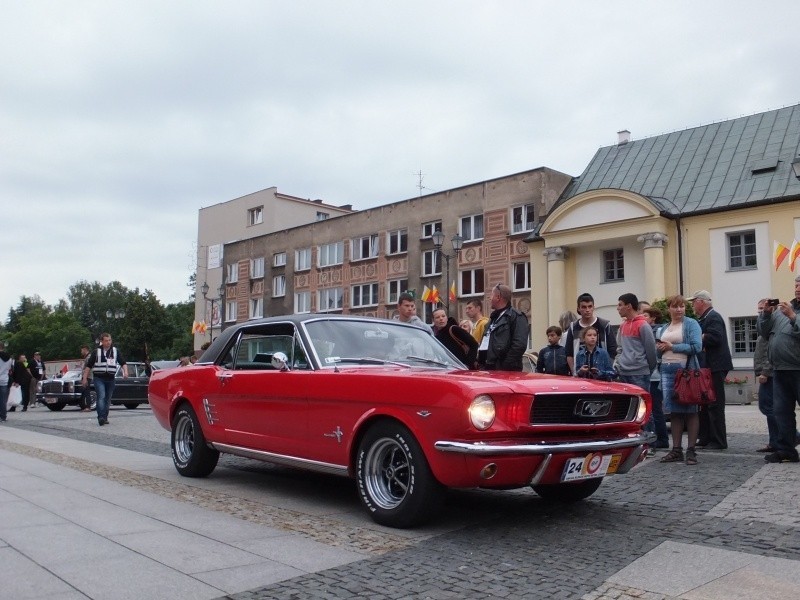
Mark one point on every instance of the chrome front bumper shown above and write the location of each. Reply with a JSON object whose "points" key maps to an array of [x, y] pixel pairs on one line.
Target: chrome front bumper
{"points": [[493, 449]]}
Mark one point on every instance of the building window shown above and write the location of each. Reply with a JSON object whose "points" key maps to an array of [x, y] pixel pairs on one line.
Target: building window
{"points": [[330, 299], [321, 216], [522, 219], [302, 259], [230, 311], [302, 302], [613, 265], [429, 228], [744, 336], [256, 308], [255, 216], [429, 264], [397, 242], [472, 282], [364, 247], [522, 276], [331, 254], [471, 228], [257, 268], [396, 287], [364, 295], [279, 259], [278, 286], [742, 250], [233, 273]]}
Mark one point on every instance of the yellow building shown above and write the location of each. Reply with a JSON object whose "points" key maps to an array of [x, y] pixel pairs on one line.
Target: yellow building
{"points": [[695, 209]]}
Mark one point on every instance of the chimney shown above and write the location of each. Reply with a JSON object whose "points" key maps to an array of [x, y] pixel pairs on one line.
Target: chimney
{"points": [[623, 137]]}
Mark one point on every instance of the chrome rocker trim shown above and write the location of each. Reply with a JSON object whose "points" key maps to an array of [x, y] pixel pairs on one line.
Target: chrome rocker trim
{"points": [[281, 459]]}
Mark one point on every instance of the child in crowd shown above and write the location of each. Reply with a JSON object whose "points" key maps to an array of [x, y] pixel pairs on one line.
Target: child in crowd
{"points": [[593, 362], [552, 358]]}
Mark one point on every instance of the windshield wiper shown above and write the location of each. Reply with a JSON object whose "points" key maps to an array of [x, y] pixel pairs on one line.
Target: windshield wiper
{"points": [[428, 361], [366, 360]]}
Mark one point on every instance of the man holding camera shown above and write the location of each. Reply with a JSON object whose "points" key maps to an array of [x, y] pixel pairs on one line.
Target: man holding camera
{"points": [[777, 321]]}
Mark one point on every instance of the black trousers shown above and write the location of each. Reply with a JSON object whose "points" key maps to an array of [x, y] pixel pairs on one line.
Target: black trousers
{"points": [[712, 417]]}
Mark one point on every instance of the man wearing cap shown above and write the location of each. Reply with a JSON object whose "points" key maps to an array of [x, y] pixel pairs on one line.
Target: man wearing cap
{"points": [[717, 357], [779, 324], [37, 373]]}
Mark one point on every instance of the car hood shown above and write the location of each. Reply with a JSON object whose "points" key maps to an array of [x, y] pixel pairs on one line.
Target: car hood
{"points": [[509, 381]]}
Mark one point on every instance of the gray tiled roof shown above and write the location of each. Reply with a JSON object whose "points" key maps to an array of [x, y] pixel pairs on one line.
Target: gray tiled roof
{"points": [[731, 163]]}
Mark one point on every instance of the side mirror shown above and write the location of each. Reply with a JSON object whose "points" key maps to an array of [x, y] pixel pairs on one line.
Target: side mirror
{"points": [[280, 361]]}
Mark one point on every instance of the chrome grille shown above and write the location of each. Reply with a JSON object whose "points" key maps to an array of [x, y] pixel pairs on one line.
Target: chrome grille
{"points": [[577, 409], [52, 386]]}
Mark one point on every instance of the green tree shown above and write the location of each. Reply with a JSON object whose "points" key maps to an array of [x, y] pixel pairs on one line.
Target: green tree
{"points": [[179, 327], [143, 327], [100, 308], [27, 305], [57, 334]]}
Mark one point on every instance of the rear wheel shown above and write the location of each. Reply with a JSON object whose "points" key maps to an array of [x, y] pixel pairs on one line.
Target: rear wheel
{"points": [[190, 453], [131, 405], [56, 406], [568, 492], [394, 480]]}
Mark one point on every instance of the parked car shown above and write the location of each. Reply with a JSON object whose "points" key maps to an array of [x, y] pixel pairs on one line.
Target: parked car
{"points": [[66, 390], [386, 403]]}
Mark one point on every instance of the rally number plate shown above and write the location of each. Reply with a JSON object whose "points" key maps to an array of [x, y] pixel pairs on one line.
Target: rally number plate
{"points": [[590, 466]]}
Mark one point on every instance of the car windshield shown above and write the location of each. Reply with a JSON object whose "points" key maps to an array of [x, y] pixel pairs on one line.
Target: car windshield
{"points": [[338, 342]]}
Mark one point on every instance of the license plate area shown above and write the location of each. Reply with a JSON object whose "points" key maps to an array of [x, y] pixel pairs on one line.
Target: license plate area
{"points": [[590, 466]]}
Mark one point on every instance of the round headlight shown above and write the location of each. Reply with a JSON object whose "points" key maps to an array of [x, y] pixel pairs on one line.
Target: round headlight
{"points": [[642, 409], [482, 412]]}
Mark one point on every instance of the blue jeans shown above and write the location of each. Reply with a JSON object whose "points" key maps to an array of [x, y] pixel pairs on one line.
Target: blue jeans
{"points": [[104, 388], [765, 406], [786, 394], [643, 381], [3, 400], [658, 420]]}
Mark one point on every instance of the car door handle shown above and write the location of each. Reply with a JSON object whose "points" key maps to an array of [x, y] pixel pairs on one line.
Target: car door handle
{"points": [[224, 376]]}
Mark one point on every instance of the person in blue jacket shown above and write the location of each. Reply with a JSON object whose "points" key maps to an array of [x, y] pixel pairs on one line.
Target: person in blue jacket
{"points": [[592, 361]]}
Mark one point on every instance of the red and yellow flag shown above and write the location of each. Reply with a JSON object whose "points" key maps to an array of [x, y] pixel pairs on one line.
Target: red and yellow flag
{"points": [[794, 254], [199, 327], [780, 254], [434, 298], [453, 296], [426, 293]]}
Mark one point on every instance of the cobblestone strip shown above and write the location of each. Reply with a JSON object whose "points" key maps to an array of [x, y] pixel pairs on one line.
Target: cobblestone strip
{"points": [[319, 528]]}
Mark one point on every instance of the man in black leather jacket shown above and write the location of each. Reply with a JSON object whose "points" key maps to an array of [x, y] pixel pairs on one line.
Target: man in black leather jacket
{"points": [[506, 337]]}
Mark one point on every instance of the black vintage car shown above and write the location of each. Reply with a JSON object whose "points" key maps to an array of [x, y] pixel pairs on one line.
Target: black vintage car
{"points": [[66, 389]]}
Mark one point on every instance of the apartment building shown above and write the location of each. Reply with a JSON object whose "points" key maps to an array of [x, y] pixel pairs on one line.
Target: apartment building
{"points": [[359, 263], [248, 216]]}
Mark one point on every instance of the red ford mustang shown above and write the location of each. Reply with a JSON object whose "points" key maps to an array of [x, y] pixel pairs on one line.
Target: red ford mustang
{"points": [[386, 403]]}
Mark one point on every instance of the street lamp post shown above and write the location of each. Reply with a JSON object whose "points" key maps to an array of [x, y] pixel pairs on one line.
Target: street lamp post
{"points": [[221, 291], [457, 241]]}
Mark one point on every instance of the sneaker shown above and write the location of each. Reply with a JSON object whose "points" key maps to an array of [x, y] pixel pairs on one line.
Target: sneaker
{"points": [[651, 451], [782, 457]]}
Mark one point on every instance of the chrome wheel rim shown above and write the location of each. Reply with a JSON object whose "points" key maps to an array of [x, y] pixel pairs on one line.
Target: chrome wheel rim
{"points": [[184, 439], [387, 473]]}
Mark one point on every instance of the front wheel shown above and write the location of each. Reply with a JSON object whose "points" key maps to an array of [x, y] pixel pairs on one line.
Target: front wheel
{"points": [[131, 405], [56, 406], [568, 492], [190, 453], [394, 480]]}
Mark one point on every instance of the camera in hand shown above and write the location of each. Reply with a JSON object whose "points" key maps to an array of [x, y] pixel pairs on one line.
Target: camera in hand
{"points": [[773, 302]]}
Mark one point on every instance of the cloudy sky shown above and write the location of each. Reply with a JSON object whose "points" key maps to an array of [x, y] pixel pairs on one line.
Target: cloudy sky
{"points": [[119, 120]]}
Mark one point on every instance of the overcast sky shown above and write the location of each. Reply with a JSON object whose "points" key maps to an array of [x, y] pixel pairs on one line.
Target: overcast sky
{"points": [[119, 120]]}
